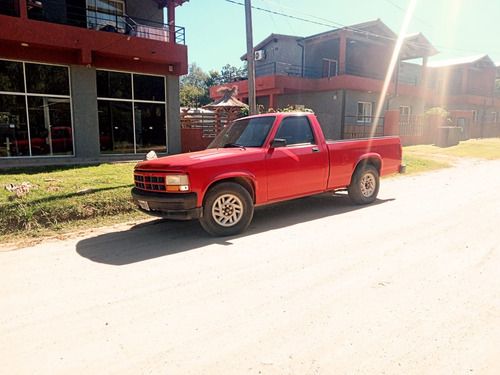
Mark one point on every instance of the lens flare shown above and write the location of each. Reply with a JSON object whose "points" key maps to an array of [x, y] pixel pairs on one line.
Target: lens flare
{"points": [[393, 63]]}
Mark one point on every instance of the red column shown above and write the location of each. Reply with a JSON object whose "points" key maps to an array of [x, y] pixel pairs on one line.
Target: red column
{"points": [[171, 20], [342, 53], [23, 8], [391, 122], [423, 77], [464, 81], [271, 101]]}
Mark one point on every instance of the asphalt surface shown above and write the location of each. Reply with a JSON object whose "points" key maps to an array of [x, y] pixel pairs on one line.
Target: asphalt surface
{"points": [[407, 285]]}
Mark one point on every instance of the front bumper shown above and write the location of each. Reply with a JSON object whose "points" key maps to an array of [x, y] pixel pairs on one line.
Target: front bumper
{"points": [[177, 206]]}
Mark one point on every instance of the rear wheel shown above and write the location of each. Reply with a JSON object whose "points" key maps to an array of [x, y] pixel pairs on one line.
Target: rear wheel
{"points": [[364, 184], [227, 210]]}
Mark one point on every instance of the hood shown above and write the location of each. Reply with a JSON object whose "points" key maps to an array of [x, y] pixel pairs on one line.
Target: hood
{"points": [[182, 162]]}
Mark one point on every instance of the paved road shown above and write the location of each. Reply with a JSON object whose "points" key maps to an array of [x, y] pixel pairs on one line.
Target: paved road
{"points": [[408, 285]]}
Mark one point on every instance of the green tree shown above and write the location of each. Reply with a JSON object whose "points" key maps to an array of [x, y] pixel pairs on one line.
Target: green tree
{"points": [[230, 73], [214, 79], [193, 87]]}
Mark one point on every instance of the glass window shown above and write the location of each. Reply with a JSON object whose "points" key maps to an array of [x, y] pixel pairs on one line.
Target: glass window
{"points": [[330, 68], [36, 119], [474, 115], [137, 121], [11, 76], [47, 79], [14, 139], [364, 112], [114, 85], [50, 126], [150, 127], [295, 130], [116, 127], [244, 133], [106, 15], [404, 113], [149, 88]]}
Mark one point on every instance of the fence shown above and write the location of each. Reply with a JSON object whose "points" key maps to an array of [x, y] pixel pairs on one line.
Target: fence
{"points": [[198, 129], [363, 127]]}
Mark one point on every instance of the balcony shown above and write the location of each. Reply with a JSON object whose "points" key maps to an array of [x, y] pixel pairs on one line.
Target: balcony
{"points": [[56, 31], [286, 69], [108, 20]]}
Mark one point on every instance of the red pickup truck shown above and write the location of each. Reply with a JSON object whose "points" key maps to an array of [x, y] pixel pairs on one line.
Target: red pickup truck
{"points": [[258, 160]]}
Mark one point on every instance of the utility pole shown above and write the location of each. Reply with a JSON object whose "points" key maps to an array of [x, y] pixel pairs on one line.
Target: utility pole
{"points": [[250, 59]]}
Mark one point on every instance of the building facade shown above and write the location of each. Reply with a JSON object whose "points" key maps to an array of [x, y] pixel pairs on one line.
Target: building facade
{"points": [[343, 75], [467, 83], [89, 80]]}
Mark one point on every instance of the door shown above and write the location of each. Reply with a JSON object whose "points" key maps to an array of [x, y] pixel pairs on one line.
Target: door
{"points": [[301, 167]]}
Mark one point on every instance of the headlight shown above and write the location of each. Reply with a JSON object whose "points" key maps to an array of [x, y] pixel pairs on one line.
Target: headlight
{"points": [[177, 182]]}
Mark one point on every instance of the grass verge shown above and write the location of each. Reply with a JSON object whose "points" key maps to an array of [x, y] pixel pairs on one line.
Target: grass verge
{"points": [[424, 158], [65, 199]]}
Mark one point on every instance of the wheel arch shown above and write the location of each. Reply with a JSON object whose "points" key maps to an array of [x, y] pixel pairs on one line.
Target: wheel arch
{"points": [[372, 159], [245, 181], [369, 159]]}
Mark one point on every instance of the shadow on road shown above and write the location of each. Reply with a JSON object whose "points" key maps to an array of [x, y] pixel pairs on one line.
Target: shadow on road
{"points": [[165, 237]]}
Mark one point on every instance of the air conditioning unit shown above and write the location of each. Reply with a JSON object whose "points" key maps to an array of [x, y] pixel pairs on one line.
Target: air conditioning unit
{"points": [[259, 55]]}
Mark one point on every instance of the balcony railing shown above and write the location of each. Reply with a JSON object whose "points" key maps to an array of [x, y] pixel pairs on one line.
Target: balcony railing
{"points": [[95, 18], [285, 69]]}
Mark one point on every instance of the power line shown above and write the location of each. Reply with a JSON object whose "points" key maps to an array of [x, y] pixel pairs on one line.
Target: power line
{"points": [[329, 24], [404, 11], [280, 14], [337, 25]]}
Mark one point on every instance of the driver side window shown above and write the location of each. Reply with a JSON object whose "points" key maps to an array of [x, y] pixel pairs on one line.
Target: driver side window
{"points": [[296, 130]]}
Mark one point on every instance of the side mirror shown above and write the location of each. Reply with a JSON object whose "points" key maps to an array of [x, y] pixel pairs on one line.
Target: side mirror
{"points": [[278, 142]]}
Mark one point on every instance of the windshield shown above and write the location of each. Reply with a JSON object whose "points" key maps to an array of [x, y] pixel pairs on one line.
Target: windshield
{"points": [[244, 133]]}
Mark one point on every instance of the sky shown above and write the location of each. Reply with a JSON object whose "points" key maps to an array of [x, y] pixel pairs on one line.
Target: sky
{"points": [[216, 31]]}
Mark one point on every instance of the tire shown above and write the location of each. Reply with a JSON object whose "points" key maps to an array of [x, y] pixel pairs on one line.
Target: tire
{"points": [[227, 210], [364, 185]]}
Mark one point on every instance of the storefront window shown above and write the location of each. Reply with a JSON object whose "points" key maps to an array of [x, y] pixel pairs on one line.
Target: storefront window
{"points": [[150, 129], [116, 127], [50, 126], [47, 79], [35, 120], [149, 88], [135, 123], [14, 140], [11, 76], [114, 85]]}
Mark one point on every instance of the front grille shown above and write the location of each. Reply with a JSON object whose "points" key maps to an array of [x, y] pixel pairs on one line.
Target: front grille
{"points": [[150, 181]]}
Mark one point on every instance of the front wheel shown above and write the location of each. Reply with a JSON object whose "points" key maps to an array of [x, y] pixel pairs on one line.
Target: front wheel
{"points": [[364, 185], [227, 210]]}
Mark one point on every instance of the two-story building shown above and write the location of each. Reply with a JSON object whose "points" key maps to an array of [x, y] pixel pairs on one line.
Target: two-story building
{"points": [[340, 75], [467, 83], [89, 80]]}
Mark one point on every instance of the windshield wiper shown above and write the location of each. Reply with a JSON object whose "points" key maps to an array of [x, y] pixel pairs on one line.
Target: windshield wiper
{"points": [[227, 145]]}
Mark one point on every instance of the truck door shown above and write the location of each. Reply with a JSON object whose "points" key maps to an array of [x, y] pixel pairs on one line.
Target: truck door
{"points": [[301, 167]]}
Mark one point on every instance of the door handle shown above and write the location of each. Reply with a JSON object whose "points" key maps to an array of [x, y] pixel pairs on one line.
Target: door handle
{"points": [[315, 149]]}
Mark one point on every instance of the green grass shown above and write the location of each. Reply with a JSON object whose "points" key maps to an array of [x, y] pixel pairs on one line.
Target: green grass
{"points": [[59, 202], [66, 198], [418, 164], [473, 148], [425, 158]]}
